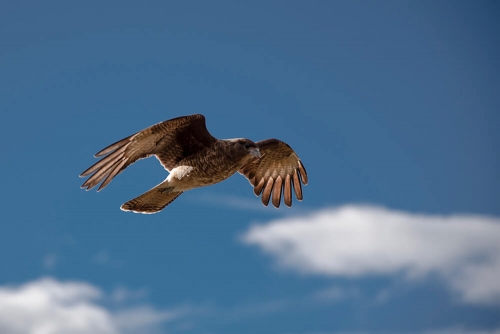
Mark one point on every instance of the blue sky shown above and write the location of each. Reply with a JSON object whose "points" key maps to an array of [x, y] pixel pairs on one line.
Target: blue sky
{"points": [[391, 105]]}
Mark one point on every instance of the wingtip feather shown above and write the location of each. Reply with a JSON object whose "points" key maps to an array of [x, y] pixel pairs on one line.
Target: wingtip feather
{"points": [[277, 187], [297, 187], [303, 173], [113, 147], [114, 172], [266, 193], [257, 190], [287, 191]]}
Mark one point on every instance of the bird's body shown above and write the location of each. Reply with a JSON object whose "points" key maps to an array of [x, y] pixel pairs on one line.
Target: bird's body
{"points": [[211, 165], [195, 159]]}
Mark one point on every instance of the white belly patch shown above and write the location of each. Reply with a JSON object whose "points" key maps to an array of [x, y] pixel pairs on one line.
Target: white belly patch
{"points": [[179, 172]]}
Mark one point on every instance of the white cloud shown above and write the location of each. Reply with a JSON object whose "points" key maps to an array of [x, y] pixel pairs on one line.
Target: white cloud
{"points": [[48, 306], [353, 241]]}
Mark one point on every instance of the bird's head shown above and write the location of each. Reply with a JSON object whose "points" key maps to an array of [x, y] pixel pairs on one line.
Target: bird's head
{"points": [[244, 149]]}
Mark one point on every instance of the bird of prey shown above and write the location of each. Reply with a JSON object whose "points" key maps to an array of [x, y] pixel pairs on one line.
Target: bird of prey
{"points": [[194, 158]]}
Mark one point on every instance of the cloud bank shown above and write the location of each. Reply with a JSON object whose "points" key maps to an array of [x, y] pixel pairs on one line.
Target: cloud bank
{"points": [[355, 241], [48, 306]]}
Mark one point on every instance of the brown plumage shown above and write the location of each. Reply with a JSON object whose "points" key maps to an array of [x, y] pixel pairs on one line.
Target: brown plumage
{"points": [[194, 158]]}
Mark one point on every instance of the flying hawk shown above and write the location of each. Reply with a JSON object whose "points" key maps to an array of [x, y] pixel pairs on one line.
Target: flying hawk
{"points": [[194, 158]]}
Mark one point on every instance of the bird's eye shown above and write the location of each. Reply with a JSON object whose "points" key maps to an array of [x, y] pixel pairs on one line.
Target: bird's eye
{"points": [[247, 145]]}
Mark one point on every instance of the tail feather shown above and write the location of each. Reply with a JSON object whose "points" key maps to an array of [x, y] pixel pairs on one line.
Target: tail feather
{"points": [[152, 201]]}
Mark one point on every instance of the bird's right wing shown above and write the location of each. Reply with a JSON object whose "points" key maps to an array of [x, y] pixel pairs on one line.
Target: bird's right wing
{"points": [[170, 141], [275, 171]]}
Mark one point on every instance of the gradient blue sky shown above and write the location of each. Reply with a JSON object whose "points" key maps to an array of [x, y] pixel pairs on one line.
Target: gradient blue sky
{"points": [[390, 104]]}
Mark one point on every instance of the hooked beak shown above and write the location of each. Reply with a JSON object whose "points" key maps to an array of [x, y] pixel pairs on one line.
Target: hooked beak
{"points": [[255, 152]]}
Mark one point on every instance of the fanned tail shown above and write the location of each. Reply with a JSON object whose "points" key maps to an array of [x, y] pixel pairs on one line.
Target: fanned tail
{"points": [[153, 200]]}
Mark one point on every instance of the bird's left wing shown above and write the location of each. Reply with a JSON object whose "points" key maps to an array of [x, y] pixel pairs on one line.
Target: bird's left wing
{"points": [[275, 171]]}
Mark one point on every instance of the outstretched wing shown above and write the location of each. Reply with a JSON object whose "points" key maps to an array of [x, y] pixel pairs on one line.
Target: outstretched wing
{"points": [[170, 141], [275, 172]]}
